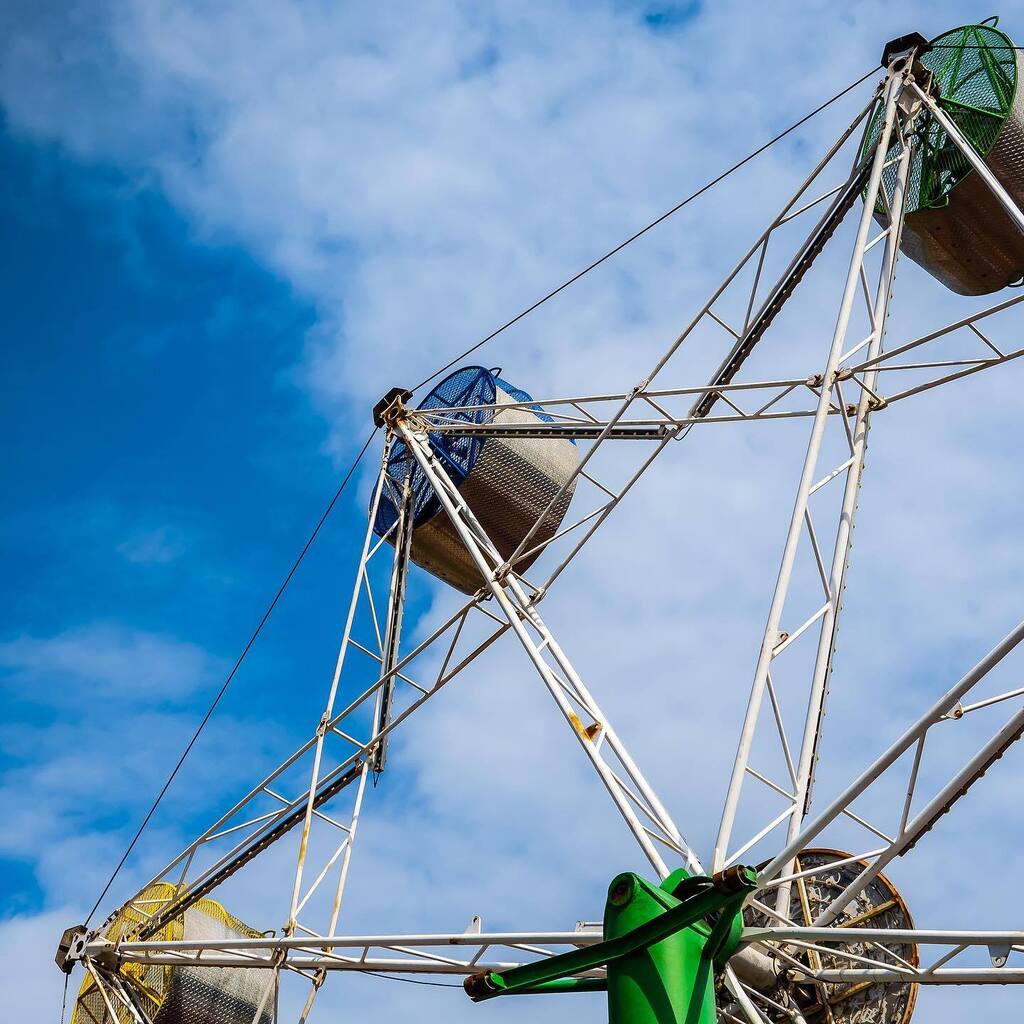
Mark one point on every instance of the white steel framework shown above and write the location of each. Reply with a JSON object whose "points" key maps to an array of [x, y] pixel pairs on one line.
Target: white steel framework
{"points": [[823, 619], [316, 795]]}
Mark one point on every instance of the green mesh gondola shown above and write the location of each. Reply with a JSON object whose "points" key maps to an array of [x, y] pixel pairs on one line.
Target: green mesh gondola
{"points": [[954, 227]]}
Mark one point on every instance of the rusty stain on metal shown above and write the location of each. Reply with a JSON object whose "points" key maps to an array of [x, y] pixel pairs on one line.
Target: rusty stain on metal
{"points": [[581, 730]]}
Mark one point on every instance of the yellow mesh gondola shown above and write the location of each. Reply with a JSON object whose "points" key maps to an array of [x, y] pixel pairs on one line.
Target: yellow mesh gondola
{"points": [[181, 995]]}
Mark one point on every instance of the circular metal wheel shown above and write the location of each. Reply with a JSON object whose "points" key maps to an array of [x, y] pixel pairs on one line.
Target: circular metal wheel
{"points": [[878, 906]]}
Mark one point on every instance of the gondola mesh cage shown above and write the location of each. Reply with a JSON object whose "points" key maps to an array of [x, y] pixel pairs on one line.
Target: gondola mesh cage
{"points": [[473, 386], [975, 68], [953, 225], [508, 482], [181, 995]]}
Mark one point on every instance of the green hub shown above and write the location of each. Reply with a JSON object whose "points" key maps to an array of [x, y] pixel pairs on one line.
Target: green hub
{"points": [[663, 945], [671, 980]]}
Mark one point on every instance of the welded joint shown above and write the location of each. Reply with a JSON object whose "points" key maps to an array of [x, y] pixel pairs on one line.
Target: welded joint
{"points": [[501, 574], [107, 957], [909, 103], [999, 954], [874, 404]]}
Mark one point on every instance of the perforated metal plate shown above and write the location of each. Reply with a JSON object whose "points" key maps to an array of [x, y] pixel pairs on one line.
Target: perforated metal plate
{"points": [[507, 482], [878, 906], [971, 245], [215, 995], [508, 488], [182, 995]]}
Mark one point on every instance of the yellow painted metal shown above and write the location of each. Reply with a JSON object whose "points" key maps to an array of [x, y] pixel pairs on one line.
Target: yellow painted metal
{"points": [[150, 982]]}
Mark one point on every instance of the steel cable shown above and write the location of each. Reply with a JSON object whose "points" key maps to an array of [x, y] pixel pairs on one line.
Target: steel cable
{"points": [[643, 231], [234, 669], [411, 981], [469, 351]]}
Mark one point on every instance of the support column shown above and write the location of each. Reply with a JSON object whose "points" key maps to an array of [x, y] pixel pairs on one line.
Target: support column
{"points": [[773, 639]]}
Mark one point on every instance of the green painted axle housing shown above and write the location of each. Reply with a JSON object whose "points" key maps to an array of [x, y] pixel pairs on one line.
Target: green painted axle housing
{"points": [[663, 945], [674, 979]]}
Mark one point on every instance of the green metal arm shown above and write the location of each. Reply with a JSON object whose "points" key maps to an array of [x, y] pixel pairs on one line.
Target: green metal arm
{"points": [[722, 895]]}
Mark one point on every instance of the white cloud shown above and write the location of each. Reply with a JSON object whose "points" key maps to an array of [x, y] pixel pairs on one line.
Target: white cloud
{"points": [[420, 177], [112, 708], [157, 546], [104, 661], [27, 972]]}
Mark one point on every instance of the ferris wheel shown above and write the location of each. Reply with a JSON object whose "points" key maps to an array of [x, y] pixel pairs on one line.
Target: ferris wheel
{"points": [[496, 493]]}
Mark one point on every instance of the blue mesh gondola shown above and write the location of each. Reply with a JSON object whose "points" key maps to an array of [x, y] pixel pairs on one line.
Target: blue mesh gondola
{"points": [[508, 482]]}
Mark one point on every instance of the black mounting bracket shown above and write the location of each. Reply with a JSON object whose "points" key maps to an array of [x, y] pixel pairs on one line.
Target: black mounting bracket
{"points": [[901, 44], [394, 397], [71, 947]]}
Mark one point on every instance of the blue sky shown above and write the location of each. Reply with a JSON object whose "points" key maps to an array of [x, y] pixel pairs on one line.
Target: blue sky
{"points": [[227, 230], [152, 419]]}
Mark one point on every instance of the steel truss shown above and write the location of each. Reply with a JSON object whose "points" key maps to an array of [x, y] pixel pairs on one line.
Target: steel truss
{"points": [[777, 640], [584, 417], [466, 953], [348, 746]]}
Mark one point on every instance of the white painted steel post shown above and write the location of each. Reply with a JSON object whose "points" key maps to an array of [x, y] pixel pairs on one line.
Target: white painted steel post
{"points": [[353, 826], [946, 703], [322, 728], [389, 659], [841, 552], [666, 356], [393, 630], [114, 1015], [796, 526], [924, 819]]}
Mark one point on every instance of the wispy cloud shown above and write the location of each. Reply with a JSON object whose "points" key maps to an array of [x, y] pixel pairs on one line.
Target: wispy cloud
{"points": [[114, 708], [157, 546], [105, 660]]}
